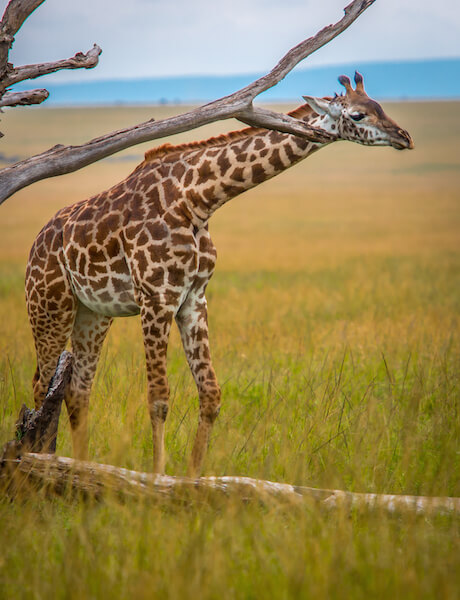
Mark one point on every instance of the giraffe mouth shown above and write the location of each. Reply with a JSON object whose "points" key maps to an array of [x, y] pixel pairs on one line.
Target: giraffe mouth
{"points": [[402, 140]]}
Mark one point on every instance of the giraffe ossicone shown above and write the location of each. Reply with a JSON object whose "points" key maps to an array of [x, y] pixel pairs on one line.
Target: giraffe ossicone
{"points": [[143, 247]]}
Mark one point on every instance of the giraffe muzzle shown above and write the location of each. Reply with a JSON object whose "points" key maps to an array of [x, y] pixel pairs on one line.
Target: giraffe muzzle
{"points": [[401, 140]]}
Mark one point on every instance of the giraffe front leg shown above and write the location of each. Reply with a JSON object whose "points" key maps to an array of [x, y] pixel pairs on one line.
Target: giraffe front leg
{"points": [[156, 325], [193, 326]]}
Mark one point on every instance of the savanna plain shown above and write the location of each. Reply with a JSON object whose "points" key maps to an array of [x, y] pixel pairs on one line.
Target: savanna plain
{"points": [[333, 318]]}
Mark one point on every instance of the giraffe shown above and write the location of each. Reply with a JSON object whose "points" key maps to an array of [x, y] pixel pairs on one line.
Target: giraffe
{"points": [[143, 247]]}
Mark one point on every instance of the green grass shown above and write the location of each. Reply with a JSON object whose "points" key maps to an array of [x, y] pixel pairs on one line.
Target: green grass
{"points": [[334, 328], [135, 550]]}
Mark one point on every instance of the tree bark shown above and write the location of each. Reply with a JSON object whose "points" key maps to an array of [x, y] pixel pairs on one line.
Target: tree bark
{"points": [[66, 159]]}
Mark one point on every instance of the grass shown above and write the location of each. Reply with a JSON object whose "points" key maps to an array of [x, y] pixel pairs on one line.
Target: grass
{"points": [[334, 327]]}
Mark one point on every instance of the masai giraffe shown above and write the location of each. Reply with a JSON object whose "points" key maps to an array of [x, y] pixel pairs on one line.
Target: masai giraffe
{"points": [[143, 247]]}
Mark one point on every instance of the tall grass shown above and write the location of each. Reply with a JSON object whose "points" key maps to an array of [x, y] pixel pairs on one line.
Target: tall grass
{"points": [[334, 329]]}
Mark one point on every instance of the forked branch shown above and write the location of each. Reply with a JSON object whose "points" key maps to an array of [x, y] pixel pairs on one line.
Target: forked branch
{"points": [[14, 16], [66, 159]]}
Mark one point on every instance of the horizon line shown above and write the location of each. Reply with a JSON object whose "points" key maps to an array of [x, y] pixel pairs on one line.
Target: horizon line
{"points": [[255, 74]]}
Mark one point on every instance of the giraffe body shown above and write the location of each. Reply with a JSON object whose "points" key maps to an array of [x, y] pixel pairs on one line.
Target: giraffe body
{"points": [[143, 247]]}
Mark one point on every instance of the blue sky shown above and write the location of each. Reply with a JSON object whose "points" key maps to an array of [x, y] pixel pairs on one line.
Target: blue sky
{"points": [[147, 38]]}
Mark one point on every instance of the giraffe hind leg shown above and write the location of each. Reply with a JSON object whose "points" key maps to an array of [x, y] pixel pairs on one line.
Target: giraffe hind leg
{"points": [[89, 332], [51, 333]]}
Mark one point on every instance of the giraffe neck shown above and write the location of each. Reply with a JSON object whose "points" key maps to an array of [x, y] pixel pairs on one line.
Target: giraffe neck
{"points": [[211, 173]]}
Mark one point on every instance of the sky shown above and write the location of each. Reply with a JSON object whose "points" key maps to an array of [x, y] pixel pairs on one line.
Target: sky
{"points": [[148, 38]]}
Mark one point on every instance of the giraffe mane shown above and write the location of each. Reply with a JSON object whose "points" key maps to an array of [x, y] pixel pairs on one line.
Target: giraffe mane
{"points": [[219, 140]]}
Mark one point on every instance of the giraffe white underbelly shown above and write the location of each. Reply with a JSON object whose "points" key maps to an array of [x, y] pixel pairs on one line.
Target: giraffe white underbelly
{"points": [[114, 297], [107, 295]]}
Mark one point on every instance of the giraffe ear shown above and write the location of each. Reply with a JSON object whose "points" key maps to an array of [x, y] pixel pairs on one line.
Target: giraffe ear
{"points": [[322, 106]]}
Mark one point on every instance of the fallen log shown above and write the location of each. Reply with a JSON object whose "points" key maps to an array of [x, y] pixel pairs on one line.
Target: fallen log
{"points": [[63, 475]]}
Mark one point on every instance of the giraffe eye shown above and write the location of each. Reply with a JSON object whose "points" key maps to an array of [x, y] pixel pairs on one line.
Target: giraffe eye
{"points": [[357, 116]]}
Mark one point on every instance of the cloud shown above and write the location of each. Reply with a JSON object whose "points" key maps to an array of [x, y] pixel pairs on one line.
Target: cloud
{"points": [[144, 38]]}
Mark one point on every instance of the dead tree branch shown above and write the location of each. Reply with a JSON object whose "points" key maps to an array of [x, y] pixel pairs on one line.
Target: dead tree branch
{"points": [[79, 61], [14, 16], [66, 159], [24, 98], [62, 475]]}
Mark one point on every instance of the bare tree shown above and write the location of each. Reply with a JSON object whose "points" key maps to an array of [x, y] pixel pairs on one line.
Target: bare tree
{"points": [[66, 159]]}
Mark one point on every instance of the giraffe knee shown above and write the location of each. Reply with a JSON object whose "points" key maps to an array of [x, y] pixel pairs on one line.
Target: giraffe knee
{"points": [[209, 413], [210, 405], [159, 410], [158, 397], [77, 408]]}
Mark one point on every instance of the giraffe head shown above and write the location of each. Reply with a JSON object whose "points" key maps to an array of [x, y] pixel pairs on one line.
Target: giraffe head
{"points": [[355, 117]]}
